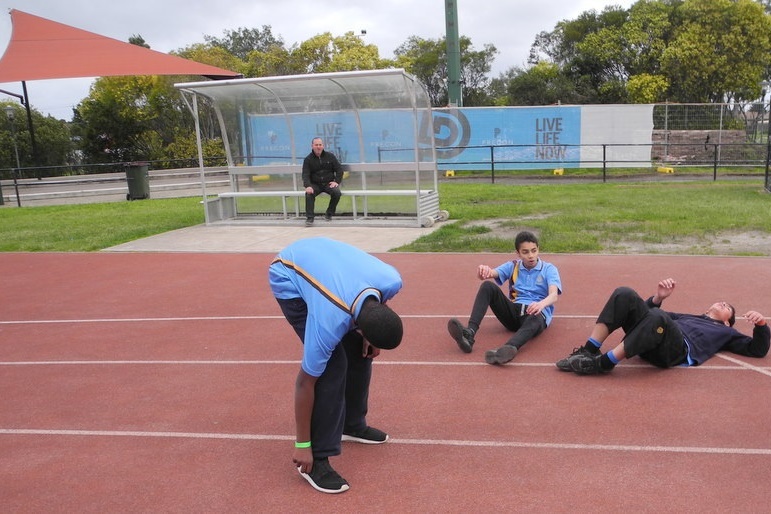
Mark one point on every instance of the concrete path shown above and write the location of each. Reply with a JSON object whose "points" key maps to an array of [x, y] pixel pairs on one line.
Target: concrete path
{"points": [[271, 239]]}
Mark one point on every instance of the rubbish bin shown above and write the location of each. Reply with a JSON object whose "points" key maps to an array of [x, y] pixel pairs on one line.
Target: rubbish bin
{"points": [[138, 181]]}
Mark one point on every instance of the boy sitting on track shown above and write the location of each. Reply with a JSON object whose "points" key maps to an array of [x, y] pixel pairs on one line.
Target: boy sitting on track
{"points": [[533, 287]]}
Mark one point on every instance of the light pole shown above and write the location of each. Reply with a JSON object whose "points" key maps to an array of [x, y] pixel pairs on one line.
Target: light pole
{"points": [[10, 112]]}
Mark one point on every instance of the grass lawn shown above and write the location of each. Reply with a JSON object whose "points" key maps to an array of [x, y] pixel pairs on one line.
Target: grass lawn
{"points": [[647, 217]]}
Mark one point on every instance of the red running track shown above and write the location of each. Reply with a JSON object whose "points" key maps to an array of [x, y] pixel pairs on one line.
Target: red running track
{"points": [[164, 383]]}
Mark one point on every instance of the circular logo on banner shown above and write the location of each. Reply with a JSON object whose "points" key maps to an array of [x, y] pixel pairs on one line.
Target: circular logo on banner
{"points": [[452, 132]]}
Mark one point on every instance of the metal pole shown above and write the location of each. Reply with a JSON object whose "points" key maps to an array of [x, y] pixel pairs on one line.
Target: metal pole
{"points": [[31, 126], [18, 165], [452, 40], [9, 111], [492, 163]]}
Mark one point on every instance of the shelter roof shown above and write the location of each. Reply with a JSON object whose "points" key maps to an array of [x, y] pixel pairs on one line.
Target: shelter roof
{"points": [[41, 49], [318, 92]]}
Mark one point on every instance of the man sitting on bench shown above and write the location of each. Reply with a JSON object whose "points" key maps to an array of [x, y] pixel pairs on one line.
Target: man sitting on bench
{"points": [[322, 173]]}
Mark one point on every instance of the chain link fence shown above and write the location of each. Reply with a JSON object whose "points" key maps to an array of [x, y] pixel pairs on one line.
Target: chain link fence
{"points": [[713, 135], [699, 134]]}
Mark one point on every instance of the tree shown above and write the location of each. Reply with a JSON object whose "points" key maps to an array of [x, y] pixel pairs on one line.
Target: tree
{"points": [[587, 52], [721, 52], [213, 56], [138, 40], [129, 118], [242, 41], [184, 148], [275, 61], [324, 53], [54, 144], [541, 84], [680, 50], [423, 58], [647, 89], [427, 60]]}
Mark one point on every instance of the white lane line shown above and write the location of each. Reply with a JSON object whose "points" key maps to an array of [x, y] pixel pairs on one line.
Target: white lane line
{"points": [[145, 362], [246, 317], [740, 367], [136, 433], [222, 318], [135, 320], [420, 442], [578, 446], [744, 365]]}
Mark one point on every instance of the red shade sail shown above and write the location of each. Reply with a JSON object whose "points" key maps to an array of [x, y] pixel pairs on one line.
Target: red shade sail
{"points": [[42, 49]]}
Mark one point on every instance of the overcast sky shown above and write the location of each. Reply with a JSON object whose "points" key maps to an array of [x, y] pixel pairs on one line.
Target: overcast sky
{"points": [[166, 25]]}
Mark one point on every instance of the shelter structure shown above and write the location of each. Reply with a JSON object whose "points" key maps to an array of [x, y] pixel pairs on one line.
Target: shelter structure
{"points": [[41, 49], [378, 123]]}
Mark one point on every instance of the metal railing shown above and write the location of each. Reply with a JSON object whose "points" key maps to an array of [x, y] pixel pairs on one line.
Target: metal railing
{"points": [[613, 159]]}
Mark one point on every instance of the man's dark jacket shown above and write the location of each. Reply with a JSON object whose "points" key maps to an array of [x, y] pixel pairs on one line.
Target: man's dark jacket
{"points": [[321, 170]]}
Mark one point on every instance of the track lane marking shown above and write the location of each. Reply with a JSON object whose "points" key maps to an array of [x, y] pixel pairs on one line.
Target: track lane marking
{"points": [[420, 442], [739, 367], [226, 318]]}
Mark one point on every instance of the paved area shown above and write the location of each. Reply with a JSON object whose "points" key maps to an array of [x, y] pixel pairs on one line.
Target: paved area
{"points": [[260, 239]]}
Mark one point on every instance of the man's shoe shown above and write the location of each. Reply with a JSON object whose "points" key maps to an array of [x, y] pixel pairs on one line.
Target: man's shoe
{"points": [[323, 478], [564, 364], [309, 222], [328, 217], [367, 436], [586, 365], [502, 355], [463, 336]]}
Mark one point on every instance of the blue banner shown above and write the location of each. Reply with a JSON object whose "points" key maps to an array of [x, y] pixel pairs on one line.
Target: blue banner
{"points": [[464, 138]]}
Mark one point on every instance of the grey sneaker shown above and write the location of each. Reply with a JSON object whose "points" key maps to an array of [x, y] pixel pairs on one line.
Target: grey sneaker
{"points": [[309, 222], [502, 355], [586, 365], [323, 478], [328, 217], [564, 364], [369, 435], [463, 336]]}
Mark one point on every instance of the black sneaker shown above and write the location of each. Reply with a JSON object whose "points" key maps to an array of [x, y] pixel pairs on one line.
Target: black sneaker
{"points": [[502, 355], [586, 365], [309, 222], [463, 336], [564, 364], [328, 217], [367, 436], [323, 478]]}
